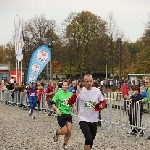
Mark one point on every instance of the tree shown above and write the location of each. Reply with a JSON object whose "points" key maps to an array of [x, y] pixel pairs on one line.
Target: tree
{"points": [[142, 63], [84, 35], [117, 50], [35, 31]]}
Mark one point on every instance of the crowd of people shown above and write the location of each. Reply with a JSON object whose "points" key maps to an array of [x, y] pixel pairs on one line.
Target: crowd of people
{"points": [[62, 96]]}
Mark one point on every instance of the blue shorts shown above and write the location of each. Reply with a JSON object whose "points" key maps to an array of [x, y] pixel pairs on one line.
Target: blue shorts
{"points": [[63, 119]]}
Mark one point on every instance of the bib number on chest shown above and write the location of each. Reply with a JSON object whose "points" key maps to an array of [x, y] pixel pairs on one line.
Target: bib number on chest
{"points": [[65, 102], [89, 104]]}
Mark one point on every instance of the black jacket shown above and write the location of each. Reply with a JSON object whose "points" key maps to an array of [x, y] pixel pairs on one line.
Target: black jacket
{"points": [[133, 105]]}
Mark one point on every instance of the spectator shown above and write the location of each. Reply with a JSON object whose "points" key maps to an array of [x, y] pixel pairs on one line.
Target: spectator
{"points": [[40, 91], [124, 90], [147, 99], [12, 80], [42, 83], [71, 88], [102, 83], [50, 91], [133, 111], [143, 91]]}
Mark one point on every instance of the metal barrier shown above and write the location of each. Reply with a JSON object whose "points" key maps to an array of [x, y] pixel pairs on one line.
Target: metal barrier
{"points": [[123, 113], [14, 98], [113, 95]]}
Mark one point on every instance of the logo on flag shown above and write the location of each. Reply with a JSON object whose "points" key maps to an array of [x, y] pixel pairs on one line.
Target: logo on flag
{"points": [[42, 55], [35, 68], [31, 78]]}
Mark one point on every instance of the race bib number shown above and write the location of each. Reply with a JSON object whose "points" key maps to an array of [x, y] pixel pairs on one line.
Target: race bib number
{"points": [[89, 104], [32, 94], [65, 102]]}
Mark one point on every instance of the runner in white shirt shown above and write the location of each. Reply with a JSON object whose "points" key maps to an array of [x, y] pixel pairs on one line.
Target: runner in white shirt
{"points": [[90, 102]]}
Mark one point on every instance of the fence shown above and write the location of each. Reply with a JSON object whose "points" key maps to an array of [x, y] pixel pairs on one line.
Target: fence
{"points": [[118, 113]]}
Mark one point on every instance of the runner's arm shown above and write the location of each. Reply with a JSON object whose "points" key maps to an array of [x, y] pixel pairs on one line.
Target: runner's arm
{"points": [[72, 99]]}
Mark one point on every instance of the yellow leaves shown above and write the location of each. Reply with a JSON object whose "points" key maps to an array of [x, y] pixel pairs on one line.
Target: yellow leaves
{"points": [[56, 65]]}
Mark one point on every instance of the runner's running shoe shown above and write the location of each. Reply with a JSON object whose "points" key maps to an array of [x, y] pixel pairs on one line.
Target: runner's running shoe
{"points": [[33, 117], [30, 112], [65, 146], [55, 137]]}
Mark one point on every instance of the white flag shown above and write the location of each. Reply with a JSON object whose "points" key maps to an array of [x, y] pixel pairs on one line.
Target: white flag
{"points": [[19, 43]]}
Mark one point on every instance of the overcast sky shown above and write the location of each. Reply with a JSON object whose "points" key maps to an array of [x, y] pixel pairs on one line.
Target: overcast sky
{"points": [[130, 15]]}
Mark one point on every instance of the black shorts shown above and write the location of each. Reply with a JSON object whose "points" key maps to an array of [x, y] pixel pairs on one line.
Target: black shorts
{"points": [[63, 119]]}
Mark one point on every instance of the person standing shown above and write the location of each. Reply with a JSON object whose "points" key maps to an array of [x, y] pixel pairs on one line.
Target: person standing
{"points": [[50, 91], [40, 91], [63, 110], [31, 98], [91, 101], [71, 88], [133, 112], [147, 98], [124, 90]]}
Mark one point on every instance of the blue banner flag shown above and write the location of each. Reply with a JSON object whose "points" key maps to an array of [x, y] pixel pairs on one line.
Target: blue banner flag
{"points": [[40, 57]]}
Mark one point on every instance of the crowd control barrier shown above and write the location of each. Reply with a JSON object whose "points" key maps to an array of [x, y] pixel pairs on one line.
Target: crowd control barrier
{"points": [[126, 113]]}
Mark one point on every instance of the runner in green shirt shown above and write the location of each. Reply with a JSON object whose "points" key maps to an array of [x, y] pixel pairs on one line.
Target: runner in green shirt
{"points": [[63, 110]]}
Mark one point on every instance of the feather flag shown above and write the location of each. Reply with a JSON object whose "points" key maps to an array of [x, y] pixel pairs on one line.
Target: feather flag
{"points": [[19, 43], [40, 57]]}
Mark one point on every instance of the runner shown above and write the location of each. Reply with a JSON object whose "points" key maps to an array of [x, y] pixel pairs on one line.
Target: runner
{"points": [[63, 110], [90, 102], [31, 98]]}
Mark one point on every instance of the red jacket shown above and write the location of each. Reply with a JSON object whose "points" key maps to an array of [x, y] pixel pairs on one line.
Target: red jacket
{"points": [[49, 90], [124, 89], [39, 94]]}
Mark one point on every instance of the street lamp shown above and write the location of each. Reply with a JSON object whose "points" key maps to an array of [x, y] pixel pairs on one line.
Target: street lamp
{"points": [[48, 42], [119, 47]]}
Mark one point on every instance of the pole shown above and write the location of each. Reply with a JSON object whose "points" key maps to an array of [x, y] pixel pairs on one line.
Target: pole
{"points": [[119, 46], [106, 71], [21, 71], [9, 69], [47, 74], [106, 64], [112, 51], [50, 73], [17, 73], [16, 70]]}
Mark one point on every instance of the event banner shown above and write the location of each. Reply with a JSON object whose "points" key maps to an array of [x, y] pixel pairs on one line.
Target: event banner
{"points": [[40, 57]]}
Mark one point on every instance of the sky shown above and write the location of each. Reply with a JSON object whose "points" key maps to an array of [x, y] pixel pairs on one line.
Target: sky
{"points": [[130, 15]]}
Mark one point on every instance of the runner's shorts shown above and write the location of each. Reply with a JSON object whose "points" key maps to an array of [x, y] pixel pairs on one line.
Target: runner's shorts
{"points": [[63, 119]]}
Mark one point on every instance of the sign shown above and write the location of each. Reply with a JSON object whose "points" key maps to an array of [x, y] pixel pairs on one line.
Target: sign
{"points": [[4, 78], [4, 68], [54, 75]]}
